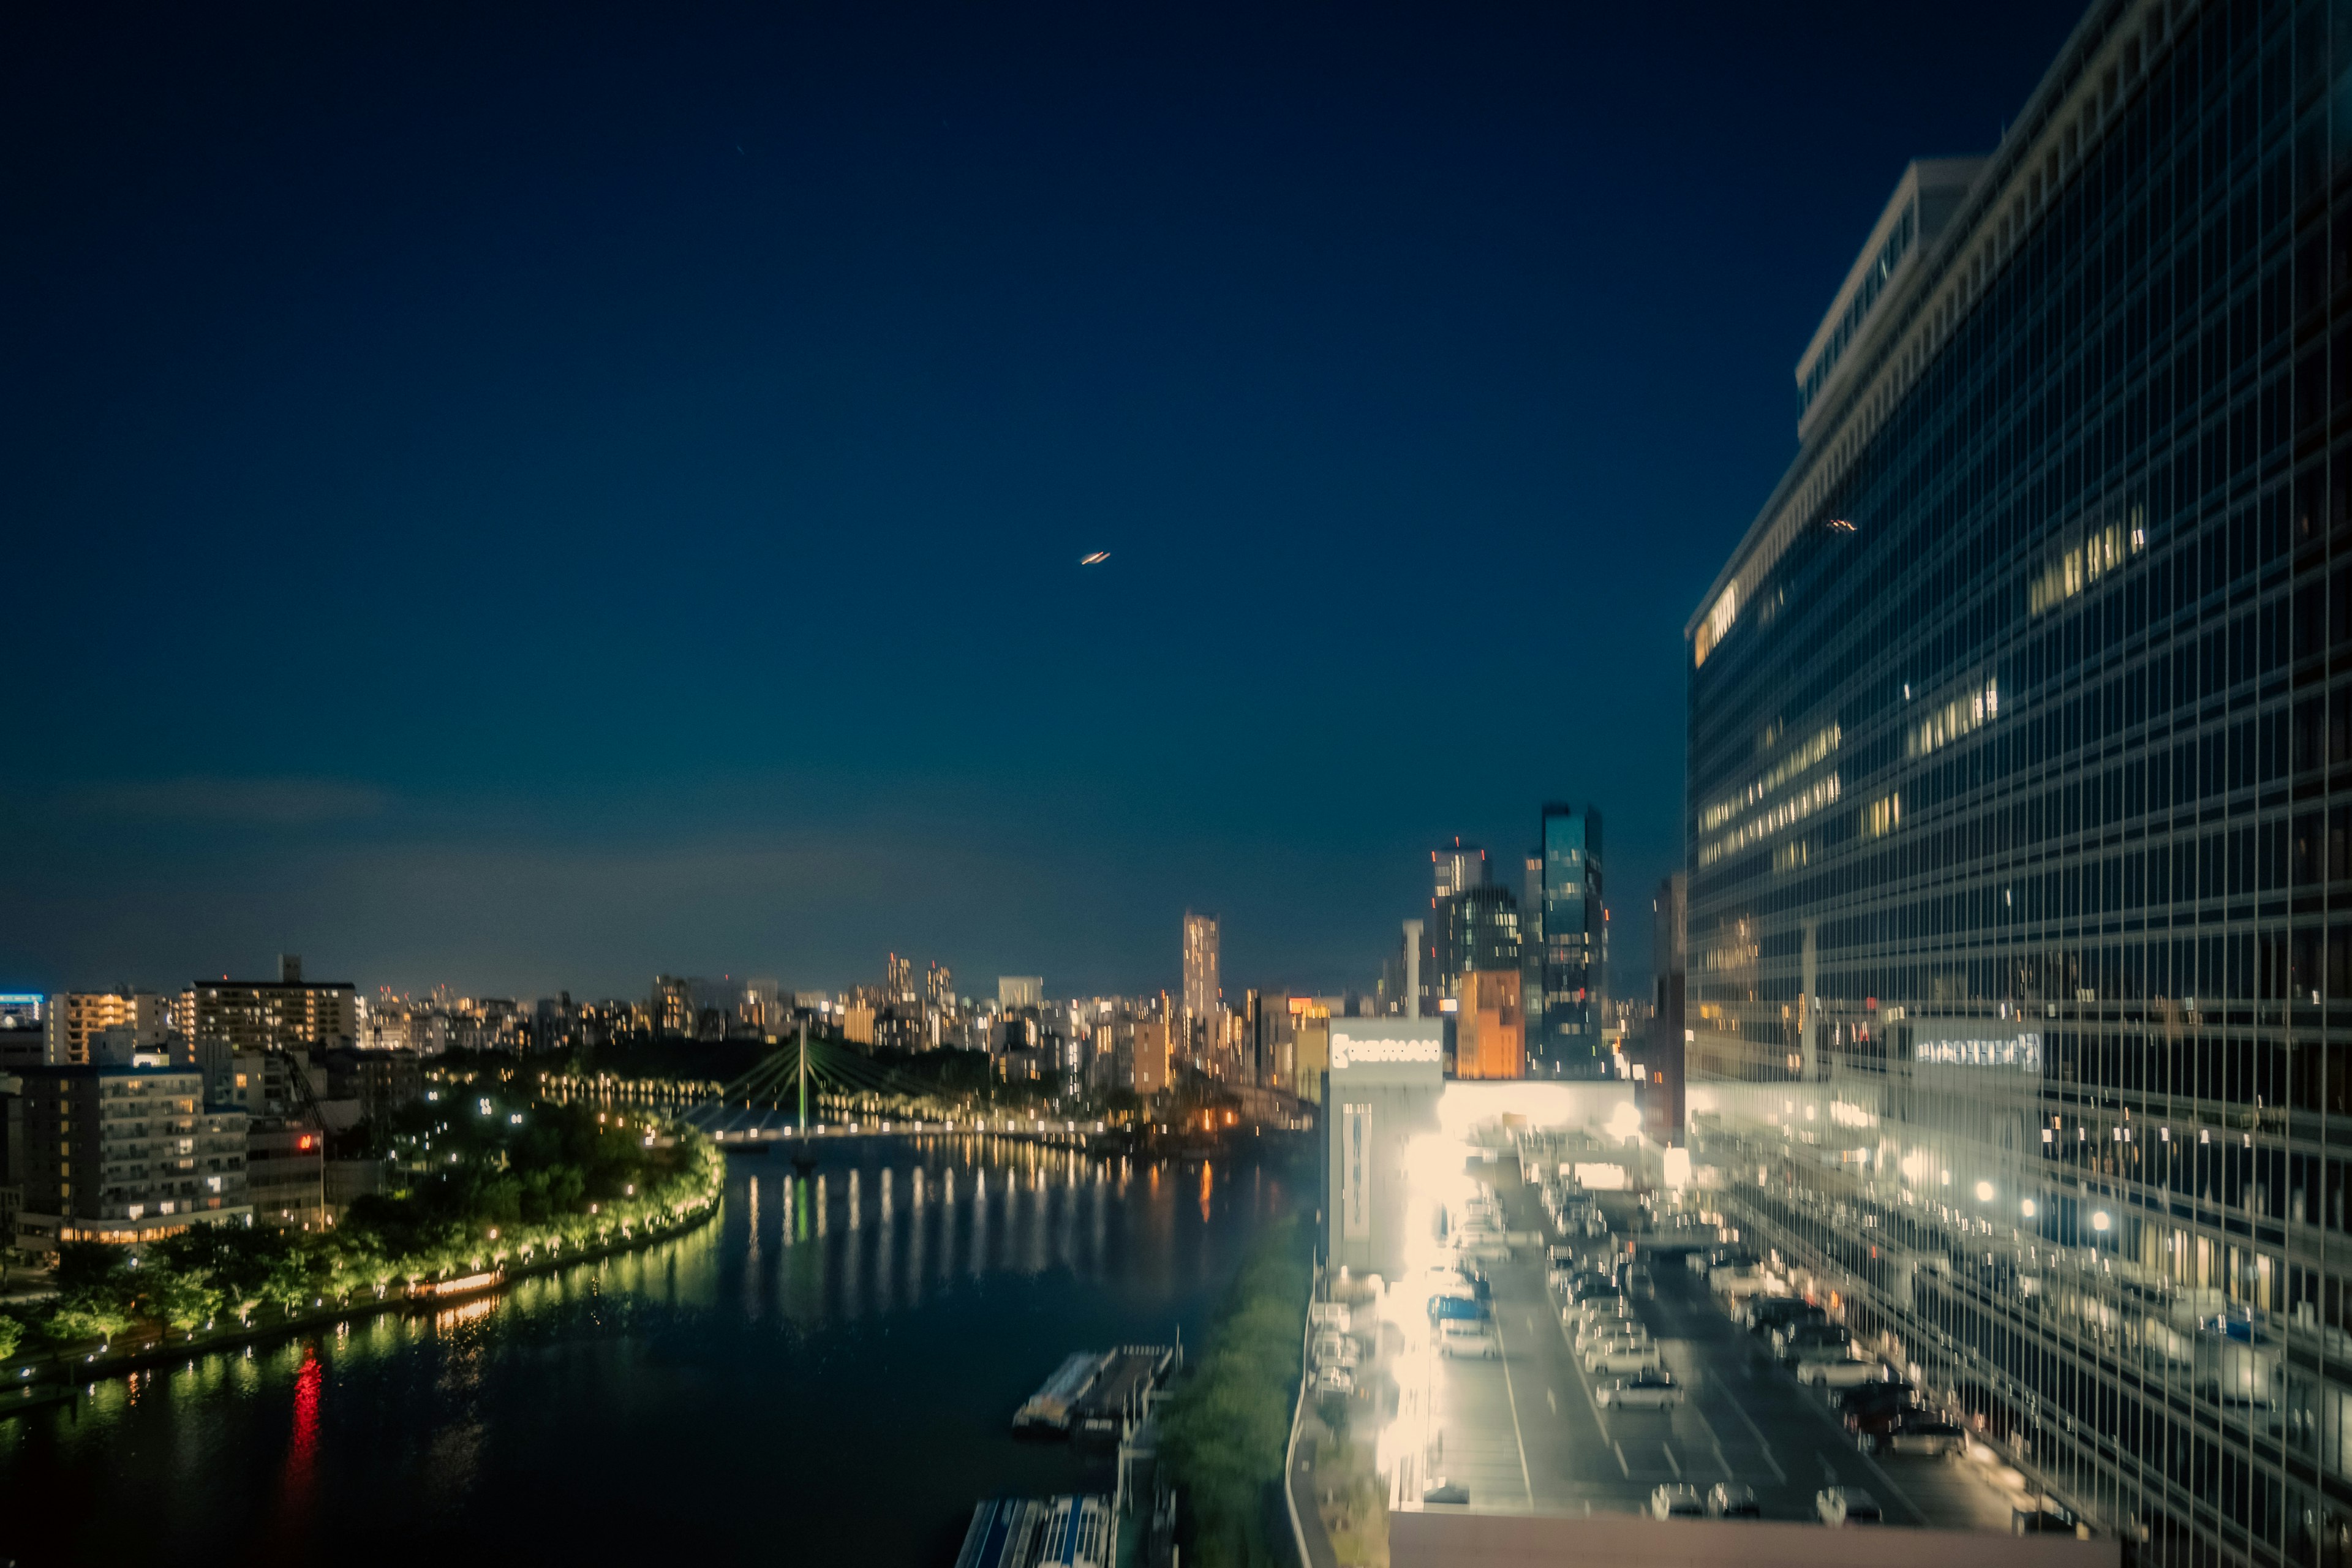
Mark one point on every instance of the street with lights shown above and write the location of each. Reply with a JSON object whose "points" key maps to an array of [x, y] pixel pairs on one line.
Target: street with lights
{"points": [[1525, 1432]]}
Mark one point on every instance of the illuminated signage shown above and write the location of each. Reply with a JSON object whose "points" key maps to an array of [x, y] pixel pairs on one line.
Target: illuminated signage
{"points": [[20, 1010], [1347, 1051], [2022, 1051]]}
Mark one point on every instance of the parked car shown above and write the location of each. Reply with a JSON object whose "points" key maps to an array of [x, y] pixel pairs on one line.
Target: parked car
{"points": [[1639, 1283], [1762, 1314], [1336, 1316], [1894, 1392], [1621, 1356], [1334, 1350], [1929, 1435], [1592, 1335], [1869, 1426], [1677, 1500], [1653, 1390], [1840, 1373], [1847, 1505], [1487, 1247], [1464, 1307], [1815, 1351], [1443, 1490], [1787, 1341], [1334, 1382], [1461, 1337], [1729, 1500]]}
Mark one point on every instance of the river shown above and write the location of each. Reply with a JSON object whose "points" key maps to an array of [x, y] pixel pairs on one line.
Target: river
{"points": [[825, 1374]]}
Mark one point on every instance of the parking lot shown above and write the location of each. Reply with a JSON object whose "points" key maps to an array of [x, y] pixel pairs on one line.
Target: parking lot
{"points": [[1523, 1433]]}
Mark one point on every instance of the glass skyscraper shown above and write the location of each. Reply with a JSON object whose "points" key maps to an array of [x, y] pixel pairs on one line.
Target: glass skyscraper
{"points": [[1567, 1042], [2020, 786]]}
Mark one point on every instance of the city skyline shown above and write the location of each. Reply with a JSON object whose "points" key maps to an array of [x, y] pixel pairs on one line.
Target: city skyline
{"points": [[567, 501]]}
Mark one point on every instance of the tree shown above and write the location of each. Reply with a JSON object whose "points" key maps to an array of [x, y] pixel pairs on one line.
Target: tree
{"points": [[12, 1334], [181, 1300]]}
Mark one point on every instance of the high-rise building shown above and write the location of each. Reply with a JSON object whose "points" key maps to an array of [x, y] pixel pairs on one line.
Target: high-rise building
{"points": [[1202, 993], [1477, 929], [1014, 991], [1575, 947], [939, 988], [1664, 1060], [2018, 989], [1456, 867], [899, 980], [1531, 944]]}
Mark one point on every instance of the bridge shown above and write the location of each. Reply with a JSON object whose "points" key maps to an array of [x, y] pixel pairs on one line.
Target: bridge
{"points": [[852, 1096]]}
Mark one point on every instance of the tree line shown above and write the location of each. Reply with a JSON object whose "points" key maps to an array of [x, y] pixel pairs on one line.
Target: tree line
{"points": [[478, 1177]]}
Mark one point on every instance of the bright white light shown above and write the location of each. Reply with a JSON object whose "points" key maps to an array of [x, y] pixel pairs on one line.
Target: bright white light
{"points": [[2026, 1208], [1678, 1168], [2100, 1221], [1984, 1192], [1625, 1120]]}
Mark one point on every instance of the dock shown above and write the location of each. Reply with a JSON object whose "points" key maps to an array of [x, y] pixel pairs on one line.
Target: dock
{"points": [[1048, 1409], [1067, 1532], [1121, 1391]]}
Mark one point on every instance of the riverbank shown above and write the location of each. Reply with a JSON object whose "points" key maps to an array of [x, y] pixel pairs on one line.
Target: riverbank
{"points": [[68, 1368]]}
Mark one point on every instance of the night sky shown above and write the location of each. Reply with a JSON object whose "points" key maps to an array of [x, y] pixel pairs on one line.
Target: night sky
{"points": [[522, 500]]}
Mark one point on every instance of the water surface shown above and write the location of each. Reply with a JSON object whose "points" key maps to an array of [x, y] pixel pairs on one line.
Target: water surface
{"points": [[826, 1373]]}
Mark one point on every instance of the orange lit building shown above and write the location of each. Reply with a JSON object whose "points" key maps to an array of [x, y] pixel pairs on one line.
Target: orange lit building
{"points": [[1490, 1036]]}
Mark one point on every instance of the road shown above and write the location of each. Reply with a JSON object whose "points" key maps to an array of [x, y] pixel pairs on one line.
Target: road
{"points": [[1524, 1433]]}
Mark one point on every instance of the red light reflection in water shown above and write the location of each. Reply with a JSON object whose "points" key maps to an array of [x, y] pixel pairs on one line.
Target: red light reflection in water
{"points": [[301, 1452]]}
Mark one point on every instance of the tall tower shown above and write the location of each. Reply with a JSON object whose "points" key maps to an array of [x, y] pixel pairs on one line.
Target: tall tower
{"points": [[1200, 992], [1575, 945], [1456, 867]]}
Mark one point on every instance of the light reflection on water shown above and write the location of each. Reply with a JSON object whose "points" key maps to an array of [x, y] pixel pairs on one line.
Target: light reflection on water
{"points": [[842, 1348]]}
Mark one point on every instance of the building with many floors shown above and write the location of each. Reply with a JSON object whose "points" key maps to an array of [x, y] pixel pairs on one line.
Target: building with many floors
{"points": [[2018, 1007], [125, 1153]]}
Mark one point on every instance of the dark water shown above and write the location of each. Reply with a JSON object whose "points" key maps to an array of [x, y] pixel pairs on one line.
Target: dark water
{"points": [[799, 1382]]}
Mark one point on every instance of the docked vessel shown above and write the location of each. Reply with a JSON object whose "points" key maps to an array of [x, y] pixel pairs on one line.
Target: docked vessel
{"points": [[1047, 1411], [1067, 1532]]}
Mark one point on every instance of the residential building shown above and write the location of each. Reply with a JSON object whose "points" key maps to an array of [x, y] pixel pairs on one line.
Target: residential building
{"points": [[1204, 1002], [1151, 1055], [2019, 1027], [123, 1153], [1019, 990], [74, 1018], [672, 1005], [286, 1014], [1575, 947]]}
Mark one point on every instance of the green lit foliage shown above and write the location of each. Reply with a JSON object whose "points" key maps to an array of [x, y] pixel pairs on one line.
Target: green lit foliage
{"points": [[1226, 1430], [529, 1179]]}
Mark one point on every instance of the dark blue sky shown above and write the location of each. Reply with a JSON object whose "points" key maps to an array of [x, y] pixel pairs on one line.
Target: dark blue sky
{"points": [[525, 499]]}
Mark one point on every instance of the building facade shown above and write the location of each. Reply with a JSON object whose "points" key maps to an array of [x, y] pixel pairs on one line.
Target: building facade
{"points": [[286, 1014], [1477, 929], [1575, 946], [1490, 1037], [124, 1154], [2018, 989]]}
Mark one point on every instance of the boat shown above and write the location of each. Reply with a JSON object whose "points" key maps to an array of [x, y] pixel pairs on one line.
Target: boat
{"points": [[1067, 1532], [1048, 1409], [1122, 1390]]}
